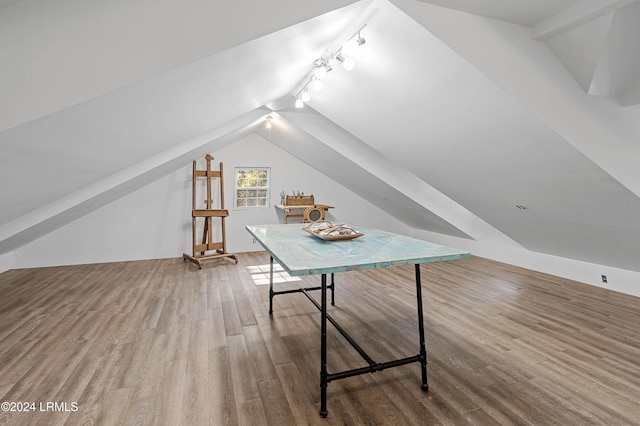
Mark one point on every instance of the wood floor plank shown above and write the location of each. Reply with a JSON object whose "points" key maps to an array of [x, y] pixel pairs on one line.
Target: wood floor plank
{"points": [[222, 399], [114, 407], [195, 401], [297, 400], [276, 407], [162, 342], [198, 352], [242, 372], [217, 337], [276, 346], [150, 375], [263, 365], [170, 407], [136, 356]]}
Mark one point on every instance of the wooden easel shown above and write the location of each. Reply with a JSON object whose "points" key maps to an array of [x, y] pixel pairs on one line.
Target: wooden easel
{"points": [[219, 248]]}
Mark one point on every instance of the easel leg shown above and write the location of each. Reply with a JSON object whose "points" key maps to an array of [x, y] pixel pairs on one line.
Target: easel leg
{"points": [[423, 350], [205, 232]]}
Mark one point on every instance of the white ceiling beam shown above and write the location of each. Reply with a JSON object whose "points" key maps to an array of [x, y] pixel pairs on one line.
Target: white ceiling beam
{"points": [[572, 17], [397, 177], [619, 62]]}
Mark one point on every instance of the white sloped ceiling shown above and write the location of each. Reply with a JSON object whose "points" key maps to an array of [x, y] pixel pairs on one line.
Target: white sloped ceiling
{"points": [[415, 128]]}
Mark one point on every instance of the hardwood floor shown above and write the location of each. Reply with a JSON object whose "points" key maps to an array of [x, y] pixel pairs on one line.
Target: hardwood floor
{"points": [[160, 342]]}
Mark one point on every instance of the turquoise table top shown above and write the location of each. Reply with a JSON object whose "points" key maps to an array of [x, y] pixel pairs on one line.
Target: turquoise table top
{"points": [[301, 253]]}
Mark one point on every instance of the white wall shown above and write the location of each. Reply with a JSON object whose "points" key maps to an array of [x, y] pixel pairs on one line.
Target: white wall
{"points": [[154, 222], [5, 261], [148, 223], [620, 280], [289, 174]]}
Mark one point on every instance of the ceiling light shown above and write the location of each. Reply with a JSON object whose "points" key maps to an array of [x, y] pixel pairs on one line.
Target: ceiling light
{"points": [[347, 63], [350, 47], [321, 66], [268, 118], [320, 72]]}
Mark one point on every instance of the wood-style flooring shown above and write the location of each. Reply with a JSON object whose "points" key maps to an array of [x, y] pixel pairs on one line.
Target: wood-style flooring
{"points": [[161, 342]]}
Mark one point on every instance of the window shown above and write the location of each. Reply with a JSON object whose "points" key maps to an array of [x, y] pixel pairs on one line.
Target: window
{"points": [[252, 187]]}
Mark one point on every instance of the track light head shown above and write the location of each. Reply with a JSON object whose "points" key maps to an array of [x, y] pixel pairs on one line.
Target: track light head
{"points": [[320, 72], [351, 45], [347, 63]]}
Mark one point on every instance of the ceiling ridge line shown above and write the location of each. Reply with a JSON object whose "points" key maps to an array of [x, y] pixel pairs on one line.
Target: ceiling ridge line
{"points": [[574, 16]]}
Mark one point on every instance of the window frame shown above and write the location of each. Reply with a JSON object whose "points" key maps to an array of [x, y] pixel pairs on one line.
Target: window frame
{"points": [[237, 188]]}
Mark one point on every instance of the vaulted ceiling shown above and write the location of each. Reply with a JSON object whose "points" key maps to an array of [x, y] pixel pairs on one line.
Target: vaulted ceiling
{"points": [[485, 119]]}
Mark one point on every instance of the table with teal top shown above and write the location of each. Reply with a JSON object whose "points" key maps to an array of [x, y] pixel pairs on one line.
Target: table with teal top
{"points": [[301, 253]]}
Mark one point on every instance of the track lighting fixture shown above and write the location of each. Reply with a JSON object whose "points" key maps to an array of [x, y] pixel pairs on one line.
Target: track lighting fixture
{"points": [[322, 66]]}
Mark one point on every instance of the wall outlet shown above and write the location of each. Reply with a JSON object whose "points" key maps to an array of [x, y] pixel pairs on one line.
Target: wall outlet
{"points": [[604, 279]]}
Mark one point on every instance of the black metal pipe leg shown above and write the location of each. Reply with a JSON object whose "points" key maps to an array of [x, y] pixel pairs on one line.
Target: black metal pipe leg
{"points": [[333, 289], [323, 348], [423, 350], [270, 285]]}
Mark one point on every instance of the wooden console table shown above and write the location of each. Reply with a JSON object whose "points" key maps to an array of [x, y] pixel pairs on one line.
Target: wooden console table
{"points": [[299, 203], [287, 210]]}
